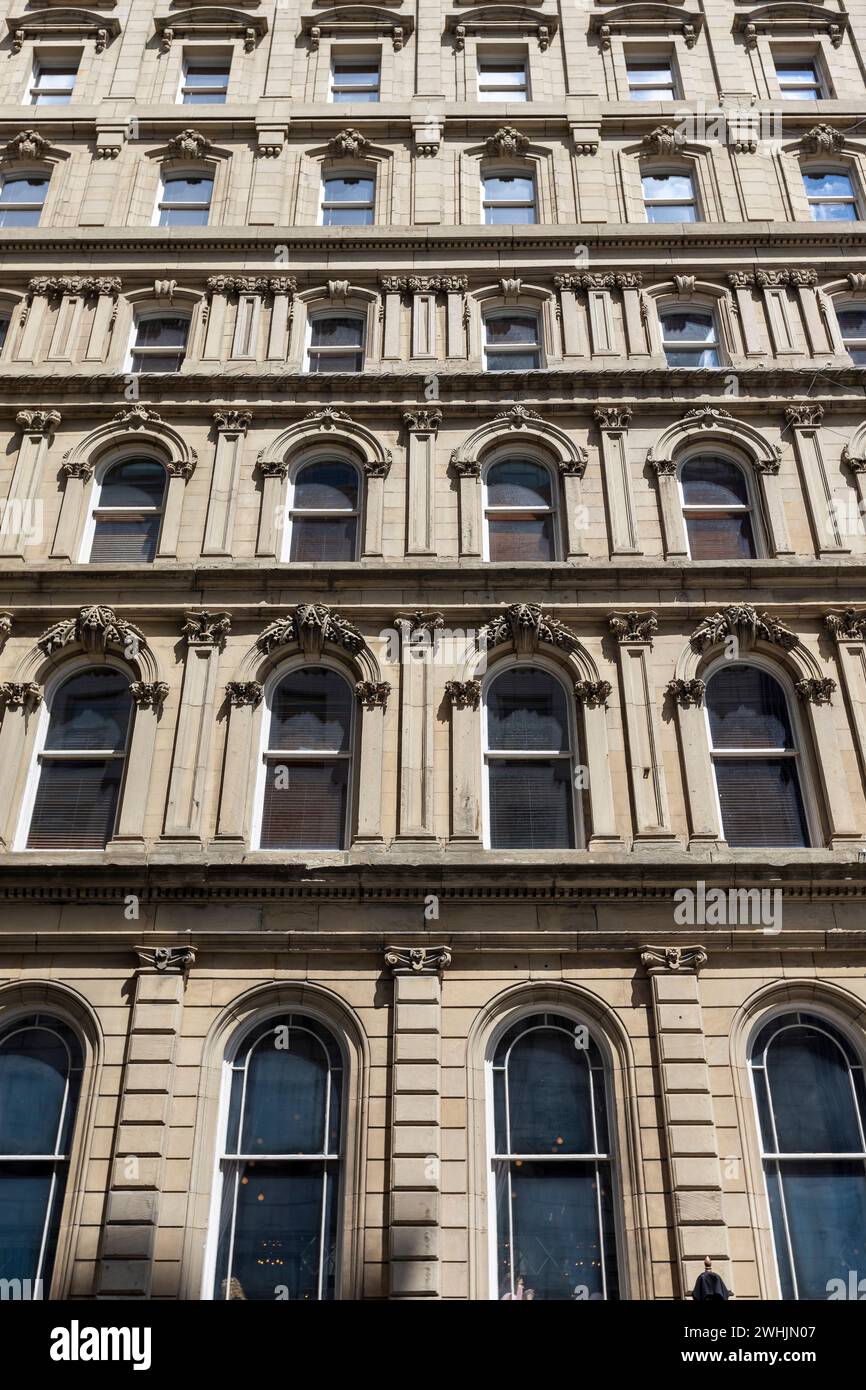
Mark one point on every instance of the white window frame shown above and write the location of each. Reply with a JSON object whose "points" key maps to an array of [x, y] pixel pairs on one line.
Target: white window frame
{"points": [[47, 60], [193, 57], [670, 308], [807, 788], [11, 177], [516, 312], [642, 58], [550, 667], [528, 174], [314, 317], [857, 344], [505, 455], [346, 54], [649, 172], [28, 800], [325, 203], [811, 58], [502, 95], [751, 509], [322, 454], [285, 668], [138, 319], [277, 1012], [565, 1010], [128, 454], [855, 200], [166, 204]]}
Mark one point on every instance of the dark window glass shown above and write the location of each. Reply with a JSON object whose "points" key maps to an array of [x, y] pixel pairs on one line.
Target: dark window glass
{"points": [[717, 510], [129, 512], [308, 762], [519, 511], [531, 799]]}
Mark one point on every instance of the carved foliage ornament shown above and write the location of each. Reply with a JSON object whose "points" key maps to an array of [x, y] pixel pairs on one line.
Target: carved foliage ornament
{"points": [[96, 628], [28, 145], [312, 624], [167, 958], [526, 627], [149, 694], [686, 693], [822, 139], [463, 694], [633, 626], [206, 629], [593, 693], [24, 695], [372, 694], [741, 620], [243, 693], [663, 140], [816, 690], [507, 141], [849, 626], [348, 142], [189, 144], [38, 421]]}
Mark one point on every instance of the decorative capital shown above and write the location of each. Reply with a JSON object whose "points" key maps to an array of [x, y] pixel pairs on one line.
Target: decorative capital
{"points": [[809, 416], [662, 467], [612, 417], [465, 468], [677, 960], [816, 690], [5, 627], [507, 141], [593, 693], [849, 626], [525, 626], [686, 693], [856, 462], [190, 144], [419, 621], [76, 469], [327, 418], [96, 628], [149, 694], [742, 621], [417, 960], [422, 421], [377, 468], [463, 694], [574, 467], [206, 629], [372, 694], [633, 626], [43, 422], [167, 960], [348, 142], [232, 421], [663, 140], [822, 139], [26, 695], [244, 693]]}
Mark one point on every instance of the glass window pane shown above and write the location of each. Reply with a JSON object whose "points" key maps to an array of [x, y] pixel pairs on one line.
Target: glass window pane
{"points": [[550, 1107], [531, 804], [278, 1227], [305, 805], [520, 538], [25, 1192], [134, 483], [331, 485], [286, 1094], [207, 74], [503, 73], [324, 538], [337, 332], [688, 327], [357, 74], [513, 361], [23, 190], [511, 328], [762, 806], [834, 212], [91, 711], [518, 483], [810, 1088], [125, 540], [747, 709], [34, 1067], [347, 217], [826, 1208], [714, 482], [657, 71], [349, 188], [829, 183], [509, 188], [187, 189], [312, 711], [672, 187], [720, 537], [852, 322], [526, 710], [162, 332], [75, 805], [551, 1213], [671, 212]]}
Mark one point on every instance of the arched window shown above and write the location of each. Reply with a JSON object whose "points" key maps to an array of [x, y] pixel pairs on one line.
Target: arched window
{"points": [[511, 341], [279, 1170], [308, 761], [529, 761], [717, 509], [348, 200], [22, 197], [336, 343], [509, 199], [323, 511], [690, 337], [552, 1163], [79, 764], [669, 197], [811, 1104], [831, 195], [519, 511], [128, 511], [185, 200], [852, 325], [40, 1079], [755, 759]]}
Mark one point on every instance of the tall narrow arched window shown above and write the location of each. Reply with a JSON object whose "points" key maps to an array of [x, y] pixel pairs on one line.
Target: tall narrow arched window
{"points": [[323, 511], [279, 1169], [529, 761], [127, 513], [811, 1103], [717, 509], [80, 760], [348, 200], [552, 1163], [185, 200], [519, 511], [308, 761], [755, 759], [40, 1079]]}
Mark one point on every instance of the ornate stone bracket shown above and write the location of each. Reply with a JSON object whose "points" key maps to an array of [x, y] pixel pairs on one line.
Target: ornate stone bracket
{"points": [[848, 626], [526, 626], [633, 626], [417, 960], [23, 695], [312, 624], [244, 693], [741, 620], [815, 690], [167, 959], [372, 694], [206, 629], [96, 628], [149, 694], [678, 960], [593, 692]]}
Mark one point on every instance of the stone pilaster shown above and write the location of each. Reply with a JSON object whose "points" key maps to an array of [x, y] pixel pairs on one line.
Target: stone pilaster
{"points": [[21, 514], [634, 634], [423, 427], [19, 706], [417, 698], [613, 423], [805, 424], [231, 430], [205, 634]]}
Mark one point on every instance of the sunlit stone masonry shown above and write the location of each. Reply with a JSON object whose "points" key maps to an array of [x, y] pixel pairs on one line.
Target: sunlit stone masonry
{"points": [[432, 649]]}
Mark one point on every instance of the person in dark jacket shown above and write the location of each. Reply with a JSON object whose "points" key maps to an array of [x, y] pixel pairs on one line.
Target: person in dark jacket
{"points": [[709, 1286]]}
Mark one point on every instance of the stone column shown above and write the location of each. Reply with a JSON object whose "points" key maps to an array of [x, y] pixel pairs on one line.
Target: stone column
{"points": [[630, 282], [634, 634], [741, 284], [613, 423], [816, 694], [805, 422], [700, 783], [471, 521], [372, 696], [233, 821], [374, 511], [778, 540], [19, 702], [455, 287], [70, 523], [575, 519], [393, 288], [848, 630], [593, 696], [231, 430], [684, 1081], [125, 1268], [21, 512], [423, 427], [465, 697], [415, 1186], [273, 514], [417, 729], [673, 522], [106, 290], [205, 635], [149, 698]]}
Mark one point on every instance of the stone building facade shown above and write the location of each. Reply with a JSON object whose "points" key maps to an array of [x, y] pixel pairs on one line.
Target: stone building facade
{"points": [[598, 248]]}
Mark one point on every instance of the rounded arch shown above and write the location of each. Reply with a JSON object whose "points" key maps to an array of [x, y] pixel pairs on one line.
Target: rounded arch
{"points": [[45, 668], [585, 1006], [509, 428], [572, 659], [710, 423], [793, 664], [325, 426], [250, 1006], [133, 429], [840, 1007]]}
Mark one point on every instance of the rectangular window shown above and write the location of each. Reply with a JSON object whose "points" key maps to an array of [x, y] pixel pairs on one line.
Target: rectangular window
{"points": [[502, 78], [799, 79], [355, 78], [511, 343], [53, 81], [185, 201], [336, 343], [852, 323], [509, 199], [690, 339], [4, 330], [669, 198], [21, 200], [160, 344], [651, 79], [831, 196], [347, 201], [205, 81]]}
